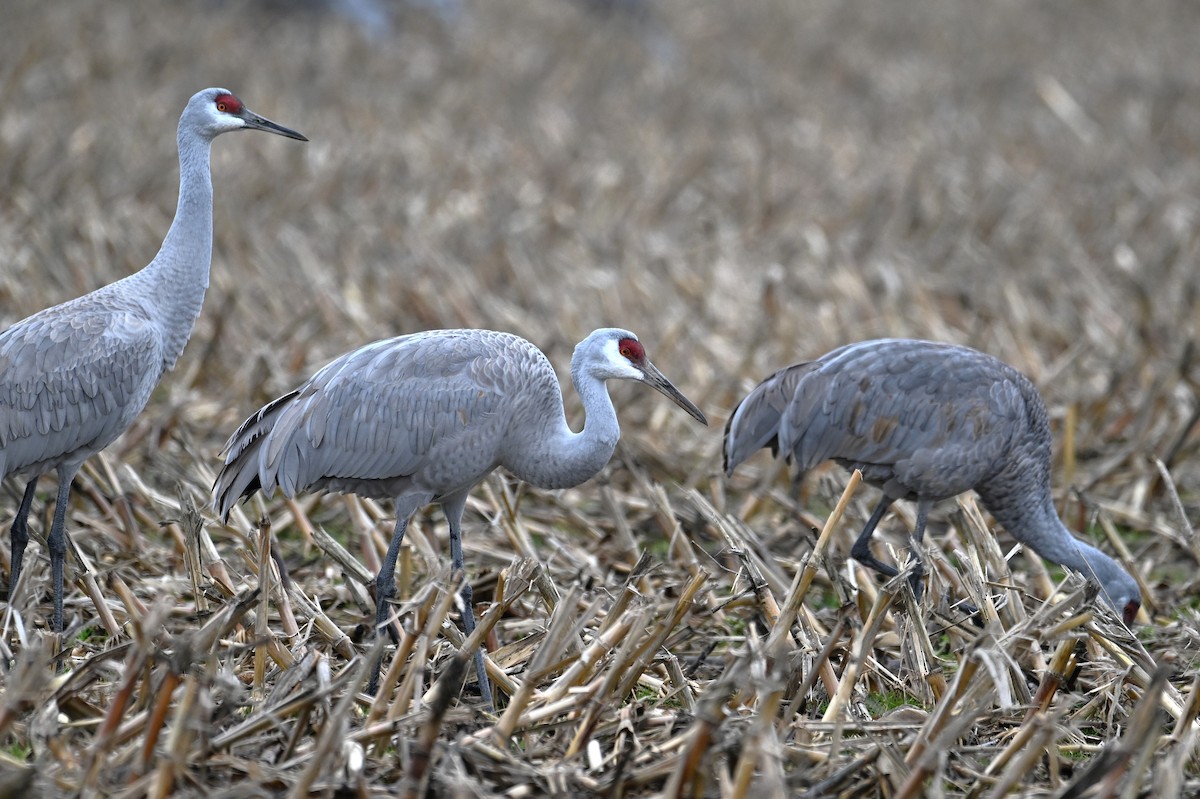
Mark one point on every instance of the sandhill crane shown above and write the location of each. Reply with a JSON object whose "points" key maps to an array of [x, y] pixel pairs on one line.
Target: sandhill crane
{"points": [[425, 417], [73, 377], [925, 421]]}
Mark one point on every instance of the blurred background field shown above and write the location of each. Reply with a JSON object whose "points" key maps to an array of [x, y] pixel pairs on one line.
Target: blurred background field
{"points": [[744, 185]]}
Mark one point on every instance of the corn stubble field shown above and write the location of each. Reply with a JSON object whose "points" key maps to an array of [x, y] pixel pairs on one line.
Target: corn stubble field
{"points": [[744, 185]]}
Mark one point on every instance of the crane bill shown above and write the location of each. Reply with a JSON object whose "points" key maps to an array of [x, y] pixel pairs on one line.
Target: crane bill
{"points": [[255, 122], [659, 382]]}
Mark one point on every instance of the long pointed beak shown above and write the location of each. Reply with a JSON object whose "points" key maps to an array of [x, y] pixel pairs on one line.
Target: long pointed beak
{"points": [[255, 122], [658, 381]]}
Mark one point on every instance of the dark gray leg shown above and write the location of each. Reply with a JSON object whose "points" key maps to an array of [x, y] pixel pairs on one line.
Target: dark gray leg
{"points": [[56, 542], [862, 547], [20, 534], [385, 581], [454, 511], [923, 508]]}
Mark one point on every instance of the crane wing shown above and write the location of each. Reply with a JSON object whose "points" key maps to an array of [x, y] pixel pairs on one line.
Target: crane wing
{"points": [[923, 417], [71, 382], [376, 417]]}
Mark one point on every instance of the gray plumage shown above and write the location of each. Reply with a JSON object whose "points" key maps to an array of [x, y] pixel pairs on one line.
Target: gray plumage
{"points": [[425, 417], [73, 377], [925, 421]]}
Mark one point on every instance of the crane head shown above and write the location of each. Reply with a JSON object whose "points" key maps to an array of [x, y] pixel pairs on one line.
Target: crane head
{"points": [[1128, 599], [616, 354], [214, 111], [1117, 587]]}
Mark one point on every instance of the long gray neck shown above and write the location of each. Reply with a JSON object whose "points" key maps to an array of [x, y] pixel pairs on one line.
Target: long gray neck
{"points": [[1037, 526], [553, 456], [173, 284], [1018, 495]]}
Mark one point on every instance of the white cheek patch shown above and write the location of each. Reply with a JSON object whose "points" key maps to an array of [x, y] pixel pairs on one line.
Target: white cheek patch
{"points": [[621, 365], [612, 352]]}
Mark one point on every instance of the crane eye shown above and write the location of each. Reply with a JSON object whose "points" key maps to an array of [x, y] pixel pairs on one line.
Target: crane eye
{"points": [[228, 104], [631, 349]]}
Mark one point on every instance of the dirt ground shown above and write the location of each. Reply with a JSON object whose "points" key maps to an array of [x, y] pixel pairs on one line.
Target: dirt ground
{"points": [[744, 185]]}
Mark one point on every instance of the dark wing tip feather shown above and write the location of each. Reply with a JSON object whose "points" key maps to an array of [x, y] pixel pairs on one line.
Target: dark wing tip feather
{"points": [[239, 477], [731, 460], [726, 441], [231, 486], [256, 425], [754, 423]]}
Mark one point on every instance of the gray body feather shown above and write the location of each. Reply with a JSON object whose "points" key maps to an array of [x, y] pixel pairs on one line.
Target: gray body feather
{"points": [[430, 413], [424, 417], [74, 377], [924, 421]]}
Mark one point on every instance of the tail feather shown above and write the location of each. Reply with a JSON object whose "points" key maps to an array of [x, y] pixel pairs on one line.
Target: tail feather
{"points": [[240, 476], [754, 424]]}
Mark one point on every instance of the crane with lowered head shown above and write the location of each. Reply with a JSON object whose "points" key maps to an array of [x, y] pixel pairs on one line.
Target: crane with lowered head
{"points": [[925, 421]]}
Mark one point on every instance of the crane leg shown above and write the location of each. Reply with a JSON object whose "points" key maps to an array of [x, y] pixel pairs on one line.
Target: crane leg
{"points": [[914, 547], [385, 581], [454, 511], [862, 547], [19, 535], [56, 542], [385, 588]]}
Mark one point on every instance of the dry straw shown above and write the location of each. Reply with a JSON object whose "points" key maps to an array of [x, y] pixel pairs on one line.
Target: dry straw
{"points": [[744, 185]]}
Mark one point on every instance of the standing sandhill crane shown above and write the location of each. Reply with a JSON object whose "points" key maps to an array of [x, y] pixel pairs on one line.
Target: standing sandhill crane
{"points": [[424, 418], [924, 421], [73, 377]]}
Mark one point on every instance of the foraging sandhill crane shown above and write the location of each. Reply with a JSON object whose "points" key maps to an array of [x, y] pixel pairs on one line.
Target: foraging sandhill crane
{"points": [[73, 377], [925, 421], [425, 417]]}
